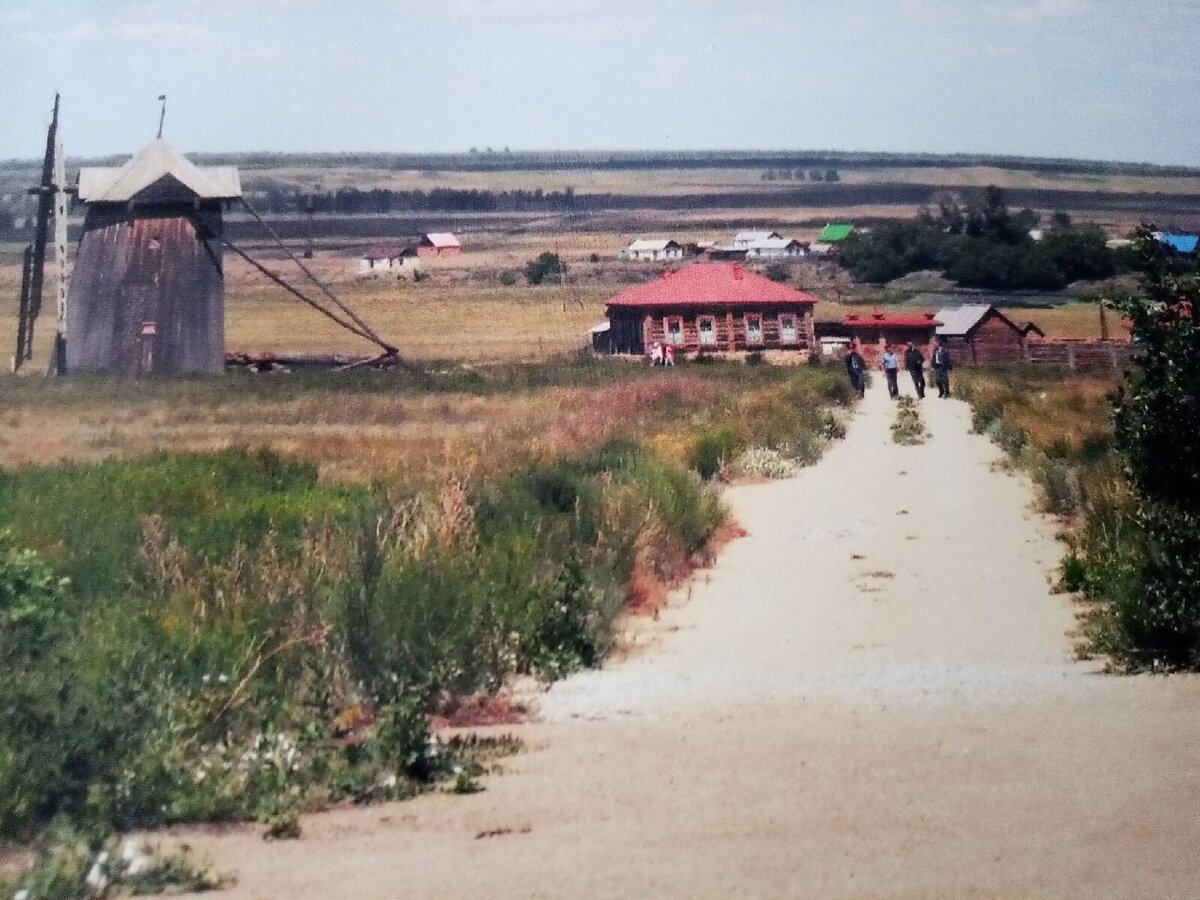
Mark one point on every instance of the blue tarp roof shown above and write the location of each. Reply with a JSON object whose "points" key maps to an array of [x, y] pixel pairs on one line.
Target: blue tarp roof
{"points": [[1182, 243]]}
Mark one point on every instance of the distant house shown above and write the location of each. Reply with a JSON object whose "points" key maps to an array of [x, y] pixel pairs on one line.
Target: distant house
{"points": [[821, 248], [980, 333], [1180, 243], [746, 238], [775, 248], [726, 253], [652, 250], [875, 331], [439, 243], [710, 307], [835, 232], [384, 259]]}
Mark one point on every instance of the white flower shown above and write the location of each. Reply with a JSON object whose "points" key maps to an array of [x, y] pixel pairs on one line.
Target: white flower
{"points": [[390, 782], [135, 858], [96, 877], [22, 894]]}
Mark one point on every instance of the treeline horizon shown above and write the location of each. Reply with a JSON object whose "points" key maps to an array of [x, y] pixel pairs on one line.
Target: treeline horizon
{"points": [[491, 160]]}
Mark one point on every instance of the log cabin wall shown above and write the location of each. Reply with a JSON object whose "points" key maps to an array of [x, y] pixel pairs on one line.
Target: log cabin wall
{"points": [[654, 325], [995, 341]]}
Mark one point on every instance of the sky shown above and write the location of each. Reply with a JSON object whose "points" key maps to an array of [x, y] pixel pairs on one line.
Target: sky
{"points": [[1097, 79]]}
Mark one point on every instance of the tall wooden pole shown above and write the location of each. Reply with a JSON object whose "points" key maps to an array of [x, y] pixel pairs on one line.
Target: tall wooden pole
{"points": [[58, 362]]}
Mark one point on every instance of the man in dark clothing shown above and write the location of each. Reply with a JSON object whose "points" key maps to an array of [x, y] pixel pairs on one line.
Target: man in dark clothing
{"points": [[942, 364], [914, 361], [857, 368]]}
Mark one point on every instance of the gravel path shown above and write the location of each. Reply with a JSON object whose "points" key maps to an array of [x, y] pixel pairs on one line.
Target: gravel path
{"points": [[871, 695]]}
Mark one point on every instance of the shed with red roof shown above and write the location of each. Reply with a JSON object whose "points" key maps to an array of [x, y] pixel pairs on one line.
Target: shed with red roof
{"points": [[874, 331], [711, 307], [439, 243]]}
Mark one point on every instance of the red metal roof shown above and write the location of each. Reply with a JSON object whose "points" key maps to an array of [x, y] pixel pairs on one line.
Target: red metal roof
{"points": [[878, 319], [711, 284], [443, 240]]}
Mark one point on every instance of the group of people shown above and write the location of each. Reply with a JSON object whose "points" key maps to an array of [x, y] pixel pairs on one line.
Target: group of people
{"points": [[662, 354], [914, 362]]}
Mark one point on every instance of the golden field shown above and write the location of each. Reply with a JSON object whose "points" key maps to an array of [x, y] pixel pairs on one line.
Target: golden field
{"points": [[462, 312]]}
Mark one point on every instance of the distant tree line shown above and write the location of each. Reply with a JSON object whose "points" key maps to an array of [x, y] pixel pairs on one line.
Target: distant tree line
{"points": [[523, 160], [978, 241], [353, 201], [800, 175]]}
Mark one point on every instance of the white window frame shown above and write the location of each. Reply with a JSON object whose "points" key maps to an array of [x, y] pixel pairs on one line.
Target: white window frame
{"points": [[784, 337], [746, 319]]}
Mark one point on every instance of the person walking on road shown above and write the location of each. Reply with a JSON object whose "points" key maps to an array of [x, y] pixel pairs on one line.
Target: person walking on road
{"points": [[857, 369], [942, 364], [891, 371], [914, 361]]}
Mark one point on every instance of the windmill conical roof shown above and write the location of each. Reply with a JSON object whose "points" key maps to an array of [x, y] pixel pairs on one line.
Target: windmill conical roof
{"points": [[158, 166]]}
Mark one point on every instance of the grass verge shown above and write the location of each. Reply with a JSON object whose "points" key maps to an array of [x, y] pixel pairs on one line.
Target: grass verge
{"points": [[244, 634]]}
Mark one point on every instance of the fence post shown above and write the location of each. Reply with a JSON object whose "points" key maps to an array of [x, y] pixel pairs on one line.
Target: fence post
{"points": [[1071, 357], [1112, 356]]}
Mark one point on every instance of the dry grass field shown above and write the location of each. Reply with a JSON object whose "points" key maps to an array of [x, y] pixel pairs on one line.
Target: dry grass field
{"points": [[356, 429], [668, 182], [462, 311]]}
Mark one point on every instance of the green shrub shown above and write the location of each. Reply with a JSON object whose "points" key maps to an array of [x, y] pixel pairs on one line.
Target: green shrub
{"points": [[1011, 438], [712, 449], [1059, 484]]}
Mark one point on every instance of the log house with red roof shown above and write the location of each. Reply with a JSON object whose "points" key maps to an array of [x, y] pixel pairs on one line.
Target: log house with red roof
{"points": [[710, 308]]}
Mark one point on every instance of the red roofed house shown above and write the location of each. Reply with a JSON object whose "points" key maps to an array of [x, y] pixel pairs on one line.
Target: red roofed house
{"points": [[439, 243], [711, 307], [875, 331]]}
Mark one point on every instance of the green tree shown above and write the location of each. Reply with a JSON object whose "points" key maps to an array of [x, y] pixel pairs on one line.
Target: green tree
{"points": [[546, 269], [1157, 431], [1081, 254]]}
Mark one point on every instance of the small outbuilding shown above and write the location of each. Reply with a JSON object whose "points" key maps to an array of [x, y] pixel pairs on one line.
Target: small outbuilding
{"points": [[711, 307], [877, 330], [1180, 243], [438, 244], [653, 250], [389, 259], [835, 232], [980, 333]]}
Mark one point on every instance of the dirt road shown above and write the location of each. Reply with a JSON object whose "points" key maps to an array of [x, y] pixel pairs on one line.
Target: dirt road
{"points": [[871, 695]]}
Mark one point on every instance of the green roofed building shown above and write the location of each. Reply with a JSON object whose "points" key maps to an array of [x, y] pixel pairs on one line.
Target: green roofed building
{"points": [[835, 232]]}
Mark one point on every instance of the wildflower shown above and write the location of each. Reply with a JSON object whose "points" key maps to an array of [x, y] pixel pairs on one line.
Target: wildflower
{"points": [[390, 782], [97, 878], [136, 861], [22, 894]]}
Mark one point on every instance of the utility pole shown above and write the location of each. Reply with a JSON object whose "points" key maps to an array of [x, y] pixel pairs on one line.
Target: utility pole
{"points": [[309, 208], [162, 116], [58, 361]]}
